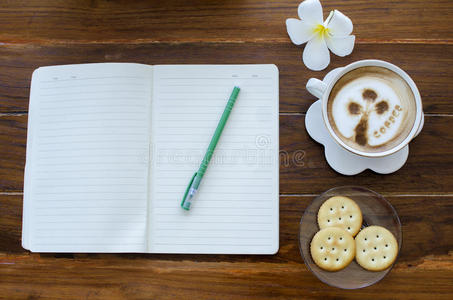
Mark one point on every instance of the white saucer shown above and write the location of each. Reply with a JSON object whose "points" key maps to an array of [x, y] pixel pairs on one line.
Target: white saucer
{"points": [[340, 159]]}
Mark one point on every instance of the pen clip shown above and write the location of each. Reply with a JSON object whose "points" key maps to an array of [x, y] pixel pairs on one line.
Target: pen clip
{"points": [[187, 189]]}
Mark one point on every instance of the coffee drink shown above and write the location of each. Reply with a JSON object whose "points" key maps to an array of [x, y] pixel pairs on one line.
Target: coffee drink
{"points": [[371, 109]]}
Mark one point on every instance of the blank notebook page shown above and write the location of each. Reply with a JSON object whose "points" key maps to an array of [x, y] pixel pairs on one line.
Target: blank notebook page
{"points": [[87, 159], [236, 207]]}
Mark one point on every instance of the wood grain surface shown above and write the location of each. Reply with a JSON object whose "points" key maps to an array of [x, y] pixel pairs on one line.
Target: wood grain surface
{"points": [[56, 21], [433, 74], [303, 168], [280, 276], [419, 232], [413, 34]]}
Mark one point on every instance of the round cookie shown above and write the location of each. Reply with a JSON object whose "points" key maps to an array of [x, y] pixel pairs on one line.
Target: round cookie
{"points": [[340, 212], [332, 248], [376, 248]]}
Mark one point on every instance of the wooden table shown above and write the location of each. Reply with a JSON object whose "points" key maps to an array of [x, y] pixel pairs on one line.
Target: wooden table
{"points": [[415, 34]]}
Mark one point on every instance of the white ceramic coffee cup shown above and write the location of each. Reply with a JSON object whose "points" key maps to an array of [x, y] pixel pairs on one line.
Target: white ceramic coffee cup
{"points": [[321, 89]]}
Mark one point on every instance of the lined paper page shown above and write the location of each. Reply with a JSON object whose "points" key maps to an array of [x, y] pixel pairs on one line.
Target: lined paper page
{"points": [[88, 158], [236, 208]]}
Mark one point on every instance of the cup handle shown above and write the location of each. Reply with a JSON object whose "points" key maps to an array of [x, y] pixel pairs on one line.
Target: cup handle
{"points": [[316, 87], [420, 126]]}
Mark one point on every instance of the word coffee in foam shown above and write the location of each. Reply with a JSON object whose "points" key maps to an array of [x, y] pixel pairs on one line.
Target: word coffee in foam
{"points": [[371, 109]]}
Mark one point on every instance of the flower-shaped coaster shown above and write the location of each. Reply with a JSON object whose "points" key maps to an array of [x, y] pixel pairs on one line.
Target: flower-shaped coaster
{"points": [[340, 159]]}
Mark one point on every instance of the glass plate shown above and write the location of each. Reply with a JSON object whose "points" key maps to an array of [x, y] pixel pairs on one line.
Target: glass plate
{"points": [[376, 210]]}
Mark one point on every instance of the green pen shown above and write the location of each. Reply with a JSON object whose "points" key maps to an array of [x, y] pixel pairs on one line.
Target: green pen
{"points": [[196, 178]]}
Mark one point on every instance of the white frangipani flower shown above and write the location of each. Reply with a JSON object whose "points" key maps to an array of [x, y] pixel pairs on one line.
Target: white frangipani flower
{"points": [[334, 34]]}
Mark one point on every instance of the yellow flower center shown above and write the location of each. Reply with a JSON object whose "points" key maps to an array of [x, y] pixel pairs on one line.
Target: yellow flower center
{"points": [[321, 30]]}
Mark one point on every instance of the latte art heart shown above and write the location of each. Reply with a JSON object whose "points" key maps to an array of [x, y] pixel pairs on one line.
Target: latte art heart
{"points": [[371, 109]]}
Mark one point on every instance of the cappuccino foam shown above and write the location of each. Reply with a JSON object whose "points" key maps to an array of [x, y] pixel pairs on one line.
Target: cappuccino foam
{"points": [[371, 109]]}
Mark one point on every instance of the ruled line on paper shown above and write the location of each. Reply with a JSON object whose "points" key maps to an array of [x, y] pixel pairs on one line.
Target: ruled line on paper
{"points": [[191, 141], [204, 92], [95, 222], [53, 185], [204, 118], [215, 229], [94, 142], [230, 193], [89, 172], [88, 229], [86, 192], [93, 244], [91, 200], [97, 85], [226, 205], [211, 114], [222, 185], [91, 93], [204, 127], [68, 235], [212, 171], [185, 237], [90, 163], [226, 135], [89, 120], [218, 106], [211, 201], [60, 149], [212, 78], [92, 100], [58, 178], [212, 99], [53, 129], [91, 78], [87, 134], [218, 222], [95, 113], [188, 149], [163, 178], [91, 106], [216, 214], [213, 244], [87, 155], [83, 207], [59, 214], [217, 85]]}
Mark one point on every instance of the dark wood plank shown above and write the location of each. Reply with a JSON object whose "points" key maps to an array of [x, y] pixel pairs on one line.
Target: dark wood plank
{"points": [[426, 224], [427, 230], [431, 66], [48, 278], [429, 168], [206, 20], [10, 223], [425, 253], [413, 34], [13, 139], [303, 169]]}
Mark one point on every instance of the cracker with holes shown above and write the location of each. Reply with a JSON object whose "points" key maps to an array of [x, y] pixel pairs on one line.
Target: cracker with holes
{"points": [[376, 248], [340, 212], [332, 248]]}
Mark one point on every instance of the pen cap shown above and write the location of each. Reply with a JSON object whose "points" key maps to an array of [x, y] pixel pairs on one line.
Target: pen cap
{"points": [[233, 97]]}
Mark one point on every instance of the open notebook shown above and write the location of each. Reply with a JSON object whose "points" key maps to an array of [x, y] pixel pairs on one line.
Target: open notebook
{"points": [[111, 149]]}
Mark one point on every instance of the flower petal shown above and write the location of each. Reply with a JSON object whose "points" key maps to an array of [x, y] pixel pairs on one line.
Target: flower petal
{"points": [[299, 32], [310, 11], [339, 24], [341, 46], [316, 55]]}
